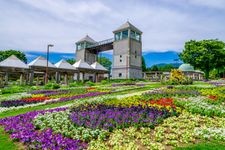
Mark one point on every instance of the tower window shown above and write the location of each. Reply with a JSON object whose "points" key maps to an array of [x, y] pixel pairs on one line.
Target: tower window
{"points": [[120, 60], [132, 34], [118, 36], [120, 74], [135, 35], [125, 34], [120, 56]]}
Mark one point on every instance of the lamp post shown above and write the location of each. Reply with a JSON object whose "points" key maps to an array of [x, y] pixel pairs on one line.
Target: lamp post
{"points": [[46, 75]]}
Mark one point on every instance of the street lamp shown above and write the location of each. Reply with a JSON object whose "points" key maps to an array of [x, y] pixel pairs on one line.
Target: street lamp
{"points": [[46, 75]]}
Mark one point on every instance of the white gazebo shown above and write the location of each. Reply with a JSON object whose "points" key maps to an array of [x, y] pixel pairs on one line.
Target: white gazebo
{"points": [[38, 67], [99, 71], [84, 68], [12, 65], [66, 69]]}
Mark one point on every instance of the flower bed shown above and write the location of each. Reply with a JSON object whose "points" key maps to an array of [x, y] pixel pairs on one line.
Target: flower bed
{"points": [[200, 105], [91, 94], [160, 119], [173, 132], [110, 117], [60, 122], [24, 101], [21, 128], [34, 100], [164, 102]]}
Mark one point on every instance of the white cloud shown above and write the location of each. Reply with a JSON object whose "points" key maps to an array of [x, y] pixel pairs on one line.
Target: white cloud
{"points": [[166, 24]]}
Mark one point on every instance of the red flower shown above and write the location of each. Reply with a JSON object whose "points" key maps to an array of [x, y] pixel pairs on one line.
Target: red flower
{"points": [[162, 102], [212, 97], [35, 99]]}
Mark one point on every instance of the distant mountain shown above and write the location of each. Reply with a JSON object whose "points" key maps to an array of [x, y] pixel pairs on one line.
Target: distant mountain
{"points": [[176, 65], [151, 58]]}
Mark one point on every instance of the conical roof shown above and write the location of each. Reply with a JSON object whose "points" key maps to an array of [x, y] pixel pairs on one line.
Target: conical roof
{"points": [[87, 39], [98, 66], [62, 64], [81, 64], [13, 62], [41, 62], [127, 25]]}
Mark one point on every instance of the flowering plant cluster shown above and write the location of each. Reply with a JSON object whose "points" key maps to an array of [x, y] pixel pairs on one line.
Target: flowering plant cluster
{"points": [[218, 82], [214, 93], [24, 101], [21, 128], [174, 131], [165, 102], [91, 94], [200, 105], [172, 93], [162, 118], [15, 96], [60, 122], [110, 117]]}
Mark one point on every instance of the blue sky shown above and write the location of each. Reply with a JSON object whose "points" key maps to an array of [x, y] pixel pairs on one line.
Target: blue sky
{"points": [[29, 25]]}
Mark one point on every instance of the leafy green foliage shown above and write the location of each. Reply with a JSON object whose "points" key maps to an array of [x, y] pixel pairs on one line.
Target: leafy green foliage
{"points": [[166, 67], [6, 142], [89, 83], [204, 146], [204, 55], [52, 86], [12, 89], [71, 61], [176, 78], [6, 53], [144, 68], [75, 84], [105, 62]]}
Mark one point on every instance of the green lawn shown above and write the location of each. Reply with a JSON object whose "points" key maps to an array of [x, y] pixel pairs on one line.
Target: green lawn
{"points": [[5, 142], [205, 146]]}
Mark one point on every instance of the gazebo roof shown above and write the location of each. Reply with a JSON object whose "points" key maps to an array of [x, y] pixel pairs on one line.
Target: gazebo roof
{"points": [[13, 62], [81, 64], [62, 64], [86, 39], [127, 25], [41, 62], [186, 67], [98, 66]]}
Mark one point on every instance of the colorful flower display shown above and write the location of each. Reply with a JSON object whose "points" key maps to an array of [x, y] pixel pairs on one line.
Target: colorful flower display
{"points": [[21, 128], [130, 117], [165, 102], [110, 117]]}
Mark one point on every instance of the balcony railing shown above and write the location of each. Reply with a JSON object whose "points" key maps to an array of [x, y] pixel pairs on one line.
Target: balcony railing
{"points": [[104, 42]]}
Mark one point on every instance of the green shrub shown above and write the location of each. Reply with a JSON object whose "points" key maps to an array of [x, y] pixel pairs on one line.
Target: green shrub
{"points": [[89, 83], [75, 84], [52, 86], [13, 89], [104, 82]]}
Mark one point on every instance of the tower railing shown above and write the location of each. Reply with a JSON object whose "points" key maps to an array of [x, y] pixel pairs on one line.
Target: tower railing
{"points": [[104, 42]]}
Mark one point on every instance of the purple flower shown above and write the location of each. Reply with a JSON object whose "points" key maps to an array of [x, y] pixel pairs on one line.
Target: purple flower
{"points": [[110, 117], [21, 128]]}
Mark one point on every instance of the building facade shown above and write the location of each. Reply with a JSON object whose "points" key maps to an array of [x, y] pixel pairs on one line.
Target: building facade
{"points": [[127, 51]]}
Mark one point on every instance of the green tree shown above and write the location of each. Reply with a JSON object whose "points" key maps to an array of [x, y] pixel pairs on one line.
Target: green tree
{"points": [[166, 67], [6, 53], [204, 55], [154, 68], [105, 62], [71, 61], [144, 68]]}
